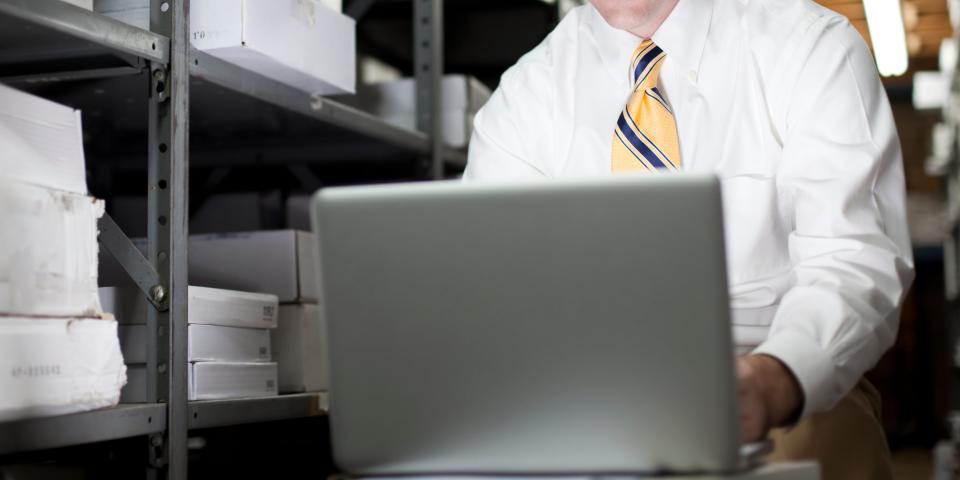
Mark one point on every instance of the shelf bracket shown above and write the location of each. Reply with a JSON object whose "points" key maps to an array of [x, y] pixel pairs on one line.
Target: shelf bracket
{"points": [[157, 460], [133, 262], [159, 82], [428, 72]]}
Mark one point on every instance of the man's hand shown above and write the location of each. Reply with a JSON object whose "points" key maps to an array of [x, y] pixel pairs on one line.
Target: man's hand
{"points": [[770, 396]]}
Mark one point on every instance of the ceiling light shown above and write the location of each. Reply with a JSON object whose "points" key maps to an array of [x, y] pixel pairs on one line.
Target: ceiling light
{"points": [[885, 21]]}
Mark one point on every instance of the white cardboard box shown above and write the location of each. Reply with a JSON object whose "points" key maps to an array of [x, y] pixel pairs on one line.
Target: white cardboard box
{"points": [[205, 343], [58, 366], [49, 254], [88, 4], [206, 306], [275, 39], [212, 381], [457, 125], [231, 308], [460, 93], [138, 17], [109, 6], [42, 142], [278, 262], [220, 380], [213, 343], [395, 102], [281, 40], [300, 349]]}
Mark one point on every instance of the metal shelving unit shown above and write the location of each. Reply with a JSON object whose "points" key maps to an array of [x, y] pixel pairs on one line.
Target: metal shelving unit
{"points": [[224, 413], [49, 40], [68, 430], [53, 35]]}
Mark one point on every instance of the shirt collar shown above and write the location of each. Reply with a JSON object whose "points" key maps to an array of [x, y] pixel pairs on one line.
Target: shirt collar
{"points": [[684, 33], [682, 36]]}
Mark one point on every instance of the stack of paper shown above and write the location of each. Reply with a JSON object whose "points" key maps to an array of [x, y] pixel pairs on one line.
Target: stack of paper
{"points": [[228, 342], [58, 366], [48, 263], [57, 355]]}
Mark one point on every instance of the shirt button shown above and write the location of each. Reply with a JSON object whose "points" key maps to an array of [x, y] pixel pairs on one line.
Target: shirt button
{"points": [[692, 76]]}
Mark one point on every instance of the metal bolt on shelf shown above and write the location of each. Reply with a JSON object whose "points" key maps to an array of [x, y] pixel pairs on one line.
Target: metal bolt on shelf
{"points": [[158, 293]]}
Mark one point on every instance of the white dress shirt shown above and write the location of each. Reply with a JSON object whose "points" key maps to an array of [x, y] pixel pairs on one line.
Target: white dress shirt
{"points": [[780, 99]]}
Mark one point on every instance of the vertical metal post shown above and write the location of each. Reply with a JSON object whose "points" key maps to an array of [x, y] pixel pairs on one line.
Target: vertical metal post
{"points": [[167, 204], [428, 72]]}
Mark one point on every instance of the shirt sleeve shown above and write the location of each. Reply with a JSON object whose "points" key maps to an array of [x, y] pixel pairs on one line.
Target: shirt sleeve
{"points": [[842, 172], [511, 133]]}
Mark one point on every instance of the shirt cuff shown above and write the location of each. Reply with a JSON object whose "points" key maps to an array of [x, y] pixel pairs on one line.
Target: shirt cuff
{"points": [[809, 363]]}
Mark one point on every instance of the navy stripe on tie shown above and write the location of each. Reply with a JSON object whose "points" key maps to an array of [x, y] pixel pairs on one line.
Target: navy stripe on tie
{"points": [[617, 133], [645, 61], [637, 143], [639, 53], [650, 70], [659, 100], [651, 142]]}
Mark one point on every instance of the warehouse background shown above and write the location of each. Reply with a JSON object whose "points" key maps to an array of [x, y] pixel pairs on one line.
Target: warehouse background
{"points": [[252, 164]]}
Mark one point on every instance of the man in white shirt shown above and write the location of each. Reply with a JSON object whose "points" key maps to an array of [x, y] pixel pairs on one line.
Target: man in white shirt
{"points": [[781, 99]]}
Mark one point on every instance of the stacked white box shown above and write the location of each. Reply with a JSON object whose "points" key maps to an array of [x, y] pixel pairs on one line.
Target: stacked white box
{"points": [[213, 381], [275, 39], [131, 12], [206, 306], [48, 263], [279, 40], [42, 142], [228, 341], [58, 366], [56, 355], [282, 263], [87, 4], [221, 380], [395, 102], [205, 343], [300, 348], [278, 262], [213, 343]]}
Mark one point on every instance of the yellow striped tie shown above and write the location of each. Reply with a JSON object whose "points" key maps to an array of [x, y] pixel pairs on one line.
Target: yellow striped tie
{"points": [[646, 135]]}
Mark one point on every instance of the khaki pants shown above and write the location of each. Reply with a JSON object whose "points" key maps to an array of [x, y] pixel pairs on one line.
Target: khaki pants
{"points": [[848, 441]]}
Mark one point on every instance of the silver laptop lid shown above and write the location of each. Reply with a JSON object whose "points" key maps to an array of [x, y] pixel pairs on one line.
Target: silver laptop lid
{"points": [[549, 327]]}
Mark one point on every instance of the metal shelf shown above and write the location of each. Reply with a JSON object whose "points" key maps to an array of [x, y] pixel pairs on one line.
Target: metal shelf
{"points": [[43, 41], [237, 79], [224, 413], [60, 40], [232, 77], [123, 421]]}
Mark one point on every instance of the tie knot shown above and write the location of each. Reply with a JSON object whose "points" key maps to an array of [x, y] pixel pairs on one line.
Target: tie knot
{"points": [[645, 68]]}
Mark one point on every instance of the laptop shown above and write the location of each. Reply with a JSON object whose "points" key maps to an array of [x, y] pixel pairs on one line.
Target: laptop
{"points": [[549, 328]]}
